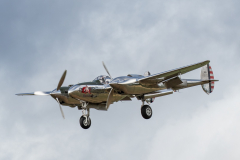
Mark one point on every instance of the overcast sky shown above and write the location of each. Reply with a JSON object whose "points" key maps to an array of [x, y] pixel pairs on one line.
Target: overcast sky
{"points": [[40, 39]]}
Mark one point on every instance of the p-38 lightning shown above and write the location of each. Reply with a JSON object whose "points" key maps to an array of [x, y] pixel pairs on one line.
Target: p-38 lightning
{"points": [[105, 90]]}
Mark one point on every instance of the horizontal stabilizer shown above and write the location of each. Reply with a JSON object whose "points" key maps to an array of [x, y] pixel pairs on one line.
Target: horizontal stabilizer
{"points": [[37, 93], [210, 80]]}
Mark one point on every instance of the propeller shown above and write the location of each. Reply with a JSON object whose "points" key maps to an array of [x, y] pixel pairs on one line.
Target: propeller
{"points": [[62, 80], [110, 99], [58, 87], [106, 70], [60, 108]]}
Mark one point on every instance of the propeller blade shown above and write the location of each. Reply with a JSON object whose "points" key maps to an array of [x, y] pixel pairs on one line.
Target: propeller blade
{"points": [[62, 80], [62, 111], [60, 108], [110, 98], [106, 70]]}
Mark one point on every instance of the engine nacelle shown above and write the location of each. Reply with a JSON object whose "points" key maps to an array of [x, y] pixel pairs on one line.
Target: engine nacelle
{"points": [[158, 94]]}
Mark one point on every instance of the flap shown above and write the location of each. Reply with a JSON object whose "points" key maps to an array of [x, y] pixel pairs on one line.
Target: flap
{"points": [[173, 82]]}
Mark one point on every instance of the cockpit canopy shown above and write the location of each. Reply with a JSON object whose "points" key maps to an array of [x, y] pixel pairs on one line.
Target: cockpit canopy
{"points": [[103, 79]]}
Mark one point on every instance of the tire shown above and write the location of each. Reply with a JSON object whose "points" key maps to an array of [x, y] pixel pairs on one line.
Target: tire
{"points": [[146, 111], [83, 124]]}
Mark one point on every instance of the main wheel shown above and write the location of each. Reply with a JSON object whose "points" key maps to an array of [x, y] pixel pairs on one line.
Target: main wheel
{"points": [[83, 123], [146, 111]]}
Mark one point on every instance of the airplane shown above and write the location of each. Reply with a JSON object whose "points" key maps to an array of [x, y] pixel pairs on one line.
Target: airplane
{"points": [[104, 90]]}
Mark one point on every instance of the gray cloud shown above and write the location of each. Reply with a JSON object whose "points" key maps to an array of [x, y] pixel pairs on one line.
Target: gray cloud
{"points": [[40, 39], [210, 133]]}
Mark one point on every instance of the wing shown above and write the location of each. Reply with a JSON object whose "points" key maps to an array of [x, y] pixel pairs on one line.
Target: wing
{"points": [[156, 78], [38, 93]]}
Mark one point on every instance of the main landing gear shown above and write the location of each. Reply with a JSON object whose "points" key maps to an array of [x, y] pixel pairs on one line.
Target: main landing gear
{"points": [[85, 121], [146, 111]]}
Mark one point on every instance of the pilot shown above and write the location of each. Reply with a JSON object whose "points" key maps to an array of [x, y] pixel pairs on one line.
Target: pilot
{"points": [[103, 80]]}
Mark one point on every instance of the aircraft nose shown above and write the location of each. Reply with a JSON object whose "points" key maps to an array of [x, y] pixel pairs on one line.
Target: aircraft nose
{"points": [[70, 92], [73, 89], [54, 92]]}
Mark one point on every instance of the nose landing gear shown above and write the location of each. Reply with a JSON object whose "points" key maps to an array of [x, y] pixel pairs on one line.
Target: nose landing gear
{"points": [[85, 121]]}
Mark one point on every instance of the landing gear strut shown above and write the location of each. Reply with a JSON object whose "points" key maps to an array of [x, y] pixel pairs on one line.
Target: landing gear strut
{"points": [[85, 121], [146, 111]]}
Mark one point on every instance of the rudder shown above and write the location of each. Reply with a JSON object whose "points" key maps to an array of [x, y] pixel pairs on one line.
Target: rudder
{"points": [[207, 74]]}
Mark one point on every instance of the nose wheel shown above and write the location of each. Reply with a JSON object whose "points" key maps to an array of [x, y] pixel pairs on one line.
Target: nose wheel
{"points": [[146, 111], [85, 122]]}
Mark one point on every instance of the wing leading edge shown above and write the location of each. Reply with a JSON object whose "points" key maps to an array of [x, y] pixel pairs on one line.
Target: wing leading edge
{"points": [[172, 73]]}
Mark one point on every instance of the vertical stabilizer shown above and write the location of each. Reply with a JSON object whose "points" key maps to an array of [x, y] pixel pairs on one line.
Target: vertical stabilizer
{"points": [[207, 74]]}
